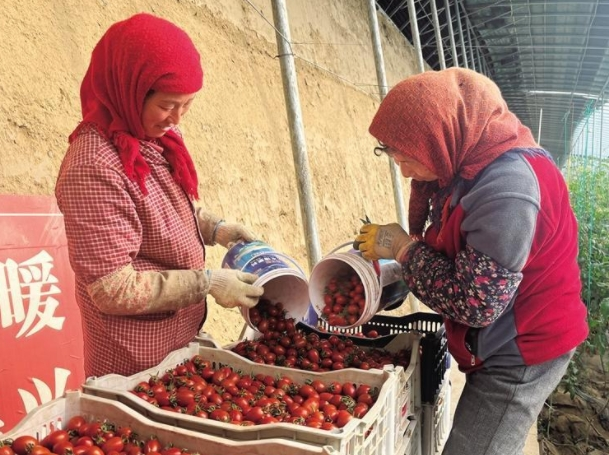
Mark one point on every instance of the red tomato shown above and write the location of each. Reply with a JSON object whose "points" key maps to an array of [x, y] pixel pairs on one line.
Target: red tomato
{"points": [[349, 389], [94, 429], [93, 450], [55, 437], [330, 411], [132, 448], [365, 398], [329, 426], [235, 415], [220, 415], [152, 445], [114, 444], [255, 414], [85, 441], [23, 444], [307, 391], [318, 385], [335, 387], [6, 450], [63, 448], [268, 419], [343, 418], [314, 423], [300, 412], [372, 334], [39, 450], [75, 423], [184, 397], [360, 410], [311, 404]]}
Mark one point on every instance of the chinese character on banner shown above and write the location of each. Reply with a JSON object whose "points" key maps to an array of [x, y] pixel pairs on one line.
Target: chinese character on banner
{"points": [[41, 347]]}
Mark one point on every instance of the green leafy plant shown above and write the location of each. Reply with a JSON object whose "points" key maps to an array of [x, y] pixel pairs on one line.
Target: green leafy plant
{"points": [[588, 181]]}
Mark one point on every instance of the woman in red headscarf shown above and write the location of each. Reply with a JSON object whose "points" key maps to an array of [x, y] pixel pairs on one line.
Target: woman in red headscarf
{"points": [[126, 189], [492, 248]]}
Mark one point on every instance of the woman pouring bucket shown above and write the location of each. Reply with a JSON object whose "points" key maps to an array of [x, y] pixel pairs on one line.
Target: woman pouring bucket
{"points": [[492, 248]]}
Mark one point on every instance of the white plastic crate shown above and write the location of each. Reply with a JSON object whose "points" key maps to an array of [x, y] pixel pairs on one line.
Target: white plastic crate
{"points": [[408, 390], [437, 420], [375, 433], [50, 416], [411, 443]]}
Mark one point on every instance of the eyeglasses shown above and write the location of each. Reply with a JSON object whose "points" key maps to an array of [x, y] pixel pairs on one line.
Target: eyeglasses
{"points": [[380, 149]]}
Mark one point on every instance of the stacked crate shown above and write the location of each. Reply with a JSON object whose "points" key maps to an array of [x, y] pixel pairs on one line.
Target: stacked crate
{"points": [[432, 389], [55, 414], [377, 432], [392, 426]]}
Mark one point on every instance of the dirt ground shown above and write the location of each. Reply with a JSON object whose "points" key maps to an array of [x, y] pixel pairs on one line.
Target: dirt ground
{"points": [[579, 425]]}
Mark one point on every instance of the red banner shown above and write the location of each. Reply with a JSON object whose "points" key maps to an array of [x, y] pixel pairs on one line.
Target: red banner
{"points": [[41, 347]]}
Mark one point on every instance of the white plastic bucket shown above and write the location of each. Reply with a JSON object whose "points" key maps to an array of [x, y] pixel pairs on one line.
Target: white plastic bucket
{"points": [[282, 278], [384, 286]]}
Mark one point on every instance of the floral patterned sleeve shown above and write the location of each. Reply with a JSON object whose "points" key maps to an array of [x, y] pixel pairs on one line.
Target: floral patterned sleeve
{"points": [[472, 289]]}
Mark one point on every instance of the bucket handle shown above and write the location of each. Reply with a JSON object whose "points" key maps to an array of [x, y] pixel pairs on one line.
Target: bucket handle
{"points": [[276, 254], [375, 263]]}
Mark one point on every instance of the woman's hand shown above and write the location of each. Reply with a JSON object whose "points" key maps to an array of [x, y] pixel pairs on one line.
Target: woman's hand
{"points": [[382, 241], [229, 233], [233, 287]]}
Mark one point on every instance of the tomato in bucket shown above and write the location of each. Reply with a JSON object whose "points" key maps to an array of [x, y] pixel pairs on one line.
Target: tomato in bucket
{"points": [[347, 291]]}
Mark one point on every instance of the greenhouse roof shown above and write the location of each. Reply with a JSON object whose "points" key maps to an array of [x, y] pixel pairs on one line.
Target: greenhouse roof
{"points": [[550, 58]]}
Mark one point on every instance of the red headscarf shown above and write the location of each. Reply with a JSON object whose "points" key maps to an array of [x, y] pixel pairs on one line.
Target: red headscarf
{"points": [[135, 56], [454, 122]]}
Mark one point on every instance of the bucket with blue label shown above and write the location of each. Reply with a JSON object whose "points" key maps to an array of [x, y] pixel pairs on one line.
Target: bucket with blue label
{"points": [[281, 277]]}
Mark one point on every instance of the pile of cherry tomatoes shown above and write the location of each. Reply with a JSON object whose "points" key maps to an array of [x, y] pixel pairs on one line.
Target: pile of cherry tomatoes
{"points": [[80, 437], [223, 394], [344, 300], [281, 343]]}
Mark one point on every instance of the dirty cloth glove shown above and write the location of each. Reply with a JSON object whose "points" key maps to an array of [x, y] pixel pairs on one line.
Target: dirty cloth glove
{"points": [[233, 287], [382, 241], [228, 233]]}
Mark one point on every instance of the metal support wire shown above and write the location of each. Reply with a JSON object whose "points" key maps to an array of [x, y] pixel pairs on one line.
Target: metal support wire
{"points": [[438, 33], [416, 40], [461, 37], [451, 33]]}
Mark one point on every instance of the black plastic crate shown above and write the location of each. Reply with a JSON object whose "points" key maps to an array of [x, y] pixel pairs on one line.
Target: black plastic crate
{"points": [[435, 359]]}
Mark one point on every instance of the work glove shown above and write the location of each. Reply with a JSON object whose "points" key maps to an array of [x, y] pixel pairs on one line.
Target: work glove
{"points": [[228, 233], [382, 241], [233, 287]]}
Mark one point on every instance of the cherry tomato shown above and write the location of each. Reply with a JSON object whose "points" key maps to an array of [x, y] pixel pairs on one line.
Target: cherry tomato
{"points": [[93, 450], [343, 418], [75, 423], [23, 444], [220, 415], [360, 410], [39, 450], [54, 437], [63, 448], [152, 445], [114, 444]]}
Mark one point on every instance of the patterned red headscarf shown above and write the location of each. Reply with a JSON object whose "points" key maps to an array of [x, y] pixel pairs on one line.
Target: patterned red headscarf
{"points": [[454, 122], [135, 56]]}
